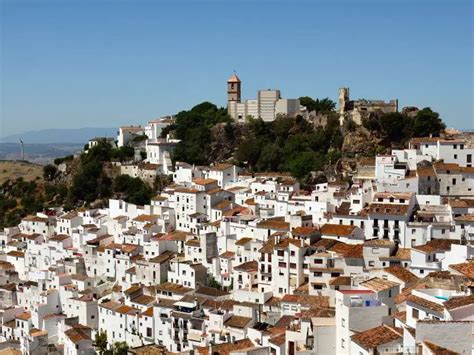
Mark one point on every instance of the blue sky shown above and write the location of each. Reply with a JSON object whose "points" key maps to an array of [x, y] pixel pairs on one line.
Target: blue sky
{"points": [[104, 63]]}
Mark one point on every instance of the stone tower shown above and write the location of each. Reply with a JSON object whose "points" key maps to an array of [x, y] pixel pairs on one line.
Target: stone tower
{"points": [[233, 89], [343, 99]]}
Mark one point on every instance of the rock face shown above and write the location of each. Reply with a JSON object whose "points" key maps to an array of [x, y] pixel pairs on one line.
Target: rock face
{"points": [[224, 141], [359, 142]]}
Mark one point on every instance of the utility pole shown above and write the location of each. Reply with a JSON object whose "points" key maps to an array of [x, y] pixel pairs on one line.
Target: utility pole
{"points": [[22, 150]]}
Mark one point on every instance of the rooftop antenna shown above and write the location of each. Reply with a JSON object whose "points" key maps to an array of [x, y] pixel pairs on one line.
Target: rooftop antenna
{"points": [[22, 150]]}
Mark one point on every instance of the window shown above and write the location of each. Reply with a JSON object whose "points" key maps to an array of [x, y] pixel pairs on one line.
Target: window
{"points": [[343, 343], [371, 263], [415, 313]]}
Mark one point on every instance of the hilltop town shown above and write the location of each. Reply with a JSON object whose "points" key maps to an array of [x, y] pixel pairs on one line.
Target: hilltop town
{"points": [[273, 226]]}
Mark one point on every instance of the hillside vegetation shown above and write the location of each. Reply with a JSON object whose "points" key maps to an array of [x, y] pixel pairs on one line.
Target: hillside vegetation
{"points": [[208, 135], [15, 169], [292, 144]]}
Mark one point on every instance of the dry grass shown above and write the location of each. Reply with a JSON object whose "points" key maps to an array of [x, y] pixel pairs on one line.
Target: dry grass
{"points": [[15, 169]]}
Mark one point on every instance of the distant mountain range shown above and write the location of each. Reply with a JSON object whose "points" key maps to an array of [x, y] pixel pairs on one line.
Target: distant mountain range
{"points": [[39, 153], [61, 135]]}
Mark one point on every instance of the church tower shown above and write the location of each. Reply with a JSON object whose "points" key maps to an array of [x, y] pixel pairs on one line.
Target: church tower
{"points": [[233, 89]]}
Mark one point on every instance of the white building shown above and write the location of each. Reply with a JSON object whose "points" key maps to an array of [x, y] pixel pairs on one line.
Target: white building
{"points": [[268, 105]]}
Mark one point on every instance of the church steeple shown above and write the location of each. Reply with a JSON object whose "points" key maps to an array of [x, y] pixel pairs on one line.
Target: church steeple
{"points": [[233, 88]]}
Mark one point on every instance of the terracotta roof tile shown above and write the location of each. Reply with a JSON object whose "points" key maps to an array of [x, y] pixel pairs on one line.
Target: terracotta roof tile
{"points": [[243, 241], [457, 302], [340, 281], [204, 182], [438, 350], [377, 284], [377, 336], [274, 223], [225, 348], [401, 273], [337, 229], [237, 322], [307, 300], [388, 209], [249, 266], [304, 230], [77, 335], [435, 307]]}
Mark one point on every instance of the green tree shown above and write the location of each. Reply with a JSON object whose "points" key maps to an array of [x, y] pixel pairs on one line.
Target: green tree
{"points": [[212, 282], [161, 181], [120, 348], [319, 105], [396, 126], [122, 154], [371, 122], [49, 172], [133, 190], [302, 164], [350, 125], [270, 158], [100, 342], [427, 122]]}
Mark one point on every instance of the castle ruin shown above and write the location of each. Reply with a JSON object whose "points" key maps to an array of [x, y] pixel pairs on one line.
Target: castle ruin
{"points": [[357, 109]]}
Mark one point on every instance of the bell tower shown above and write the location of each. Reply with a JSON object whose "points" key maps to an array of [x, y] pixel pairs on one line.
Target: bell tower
{"points": [[233, 89]]}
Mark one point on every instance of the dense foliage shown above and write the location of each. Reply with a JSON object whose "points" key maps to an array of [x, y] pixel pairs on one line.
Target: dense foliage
{"points": [[289, 144], [65, 159], [319, 105], [17, 199], [193, 127], [399, 128], [133, 190], [92, 182]]}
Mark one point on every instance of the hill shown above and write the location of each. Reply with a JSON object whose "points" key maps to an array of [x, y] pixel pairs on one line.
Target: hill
{"points": [[10, 170]]}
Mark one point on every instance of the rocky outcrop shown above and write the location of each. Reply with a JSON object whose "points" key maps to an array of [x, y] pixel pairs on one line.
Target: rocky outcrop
{"points": [[360, 141]]}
